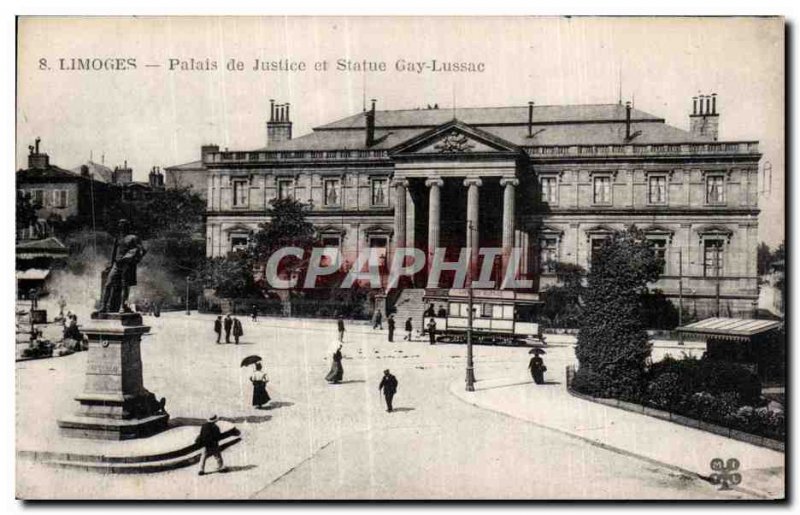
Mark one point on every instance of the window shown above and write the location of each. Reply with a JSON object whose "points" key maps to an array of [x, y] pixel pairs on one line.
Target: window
{"points": [[715, 189], [660, 249], [380, 191], [657, 189], [240, 191], [712, 256], [331, 240], [285, 189], [486, 310], [332, 192], [597, 244], [549, 190], [602, 190], [548, 254], [239, 242], [37, 197]]}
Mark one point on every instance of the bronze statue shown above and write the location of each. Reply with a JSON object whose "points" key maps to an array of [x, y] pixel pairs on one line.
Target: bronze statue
{"points": [[121, 275]]}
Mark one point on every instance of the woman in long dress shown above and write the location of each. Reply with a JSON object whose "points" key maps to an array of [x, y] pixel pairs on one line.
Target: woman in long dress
{"points": [[537, 369], [259, 380], [336, 372]]}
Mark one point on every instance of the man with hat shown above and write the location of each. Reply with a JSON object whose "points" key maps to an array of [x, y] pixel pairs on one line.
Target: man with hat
{"points": [[209, 438], [389, 387]]}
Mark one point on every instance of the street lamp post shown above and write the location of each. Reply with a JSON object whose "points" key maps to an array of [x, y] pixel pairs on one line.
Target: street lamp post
{"points": [[470, 364], [680, 295], [188, 311]]}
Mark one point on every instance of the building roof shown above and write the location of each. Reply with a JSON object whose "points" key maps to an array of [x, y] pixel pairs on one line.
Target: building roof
{"points": [[194, 165], [603, 124], [48, 247], [99, 172], [517, 115], [49, 172], [730, 327], [33, 274]]}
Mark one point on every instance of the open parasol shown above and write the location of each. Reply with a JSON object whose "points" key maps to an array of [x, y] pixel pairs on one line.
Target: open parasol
{"points": [[249, 360], [537, 351]]}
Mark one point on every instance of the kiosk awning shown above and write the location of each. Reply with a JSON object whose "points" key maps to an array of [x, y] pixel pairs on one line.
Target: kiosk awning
{"points": [[735, 328]]}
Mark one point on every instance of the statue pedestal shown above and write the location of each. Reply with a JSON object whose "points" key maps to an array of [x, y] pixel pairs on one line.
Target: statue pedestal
{"points": [[115, 404]]}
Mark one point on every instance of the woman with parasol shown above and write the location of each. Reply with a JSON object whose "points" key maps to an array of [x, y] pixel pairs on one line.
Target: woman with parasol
{"points": [[259, 380], [536, 365], [336, 372]]}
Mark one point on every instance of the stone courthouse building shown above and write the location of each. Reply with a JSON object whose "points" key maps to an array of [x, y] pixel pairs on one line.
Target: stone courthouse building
{"points": [[551, 180]]}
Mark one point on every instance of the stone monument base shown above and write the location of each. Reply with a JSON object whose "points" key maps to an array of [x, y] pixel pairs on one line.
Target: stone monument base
{"points": [[115, 405]]}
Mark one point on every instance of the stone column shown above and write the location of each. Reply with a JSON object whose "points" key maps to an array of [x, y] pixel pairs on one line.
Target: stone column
{"points": [[509, 185], [400, 189], [473, 235], [434, 214]]}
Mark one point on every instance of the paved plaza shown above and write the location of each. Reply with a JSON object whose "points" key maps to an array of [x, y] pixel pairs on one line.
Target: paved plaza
{"points": [[321, 441]]}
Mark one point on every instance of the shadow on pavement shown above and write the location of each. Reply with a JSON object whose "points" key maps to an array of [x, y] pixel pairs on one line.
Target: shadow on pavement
{"points": [[191, 421], [276, 404], [402, 409], [352, 381], [238, 468]]}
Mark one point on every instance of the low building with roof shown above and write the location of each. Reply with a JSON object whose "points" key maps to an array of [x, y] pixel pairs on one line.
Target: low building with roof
{"points": [[61, 194], [551, 181]]}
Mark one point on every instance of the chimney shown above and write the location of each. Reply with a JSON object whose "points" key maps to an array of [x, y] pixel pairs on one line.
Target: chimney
{"points": [[279, 126], [122, 175], [627, 121], [530, 119], [37, 160], [370, 135], [704, 120], [205, 150]]}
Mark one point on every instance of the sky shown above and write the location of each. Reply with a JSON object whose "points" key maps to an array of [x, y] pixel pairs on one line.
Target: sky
{"points": [[151, 116]]}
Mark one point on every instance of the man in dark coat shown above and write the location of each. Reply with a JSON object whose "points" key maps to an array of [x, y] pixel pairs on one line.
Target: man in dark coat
{"points": [[442, 313], [378, 321], [409, 329], [228, 324], [432, 331], [389, 387], [209, 438], [340, 326], [390, 322], [254, 313], [218, 327], [237, 330]]}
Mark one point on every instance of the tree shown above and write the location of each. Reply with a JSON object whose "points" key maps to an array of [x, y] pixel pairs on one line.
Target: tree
{"points": [[287, 227], [612, 341], [562, 301], [26, 211], [231, 276], [763, 258]]}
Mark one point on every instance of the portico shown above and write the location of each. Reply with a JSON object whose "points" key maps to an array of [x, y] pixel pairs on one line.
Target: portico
{"points": [[443, 181]]}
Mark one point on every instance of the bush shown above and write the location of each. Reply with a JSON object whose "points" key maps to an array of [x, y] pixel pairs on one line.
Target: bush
{"points": [[690, 375]]}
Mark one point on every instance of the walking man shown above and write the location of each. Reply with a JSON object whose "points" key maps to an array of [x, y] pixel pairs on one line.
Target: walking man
{"points": [[228, 324], [209, 438], [389, 387], [432, 331], [237, 330], [378, 323], [409, 329], [340, 326], [390, 322], [254, 313], [218, 327]]}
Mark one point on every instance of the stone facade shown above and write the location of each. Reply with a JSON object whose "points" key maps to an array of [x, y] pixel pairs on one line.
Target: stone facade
{"points": [[549, 180]]}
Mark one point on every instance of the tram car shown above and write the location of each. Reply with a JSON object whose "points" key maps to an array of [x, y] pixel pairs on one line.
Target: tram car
{"points": [[499, 317]]}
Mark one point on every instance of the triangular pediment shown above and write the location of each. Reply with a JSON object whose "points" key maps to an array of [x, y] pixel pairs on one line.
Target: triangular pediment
{"points": [[454, 138]]}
